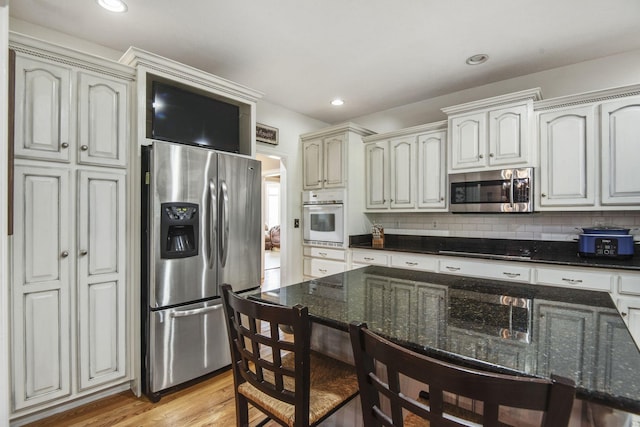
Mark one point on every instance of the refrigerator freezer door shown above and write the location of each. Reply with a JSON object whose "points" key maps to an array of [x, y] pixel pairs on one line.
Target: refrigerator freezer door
{"points": [[240, 229], [187, 342], [183, 183]]}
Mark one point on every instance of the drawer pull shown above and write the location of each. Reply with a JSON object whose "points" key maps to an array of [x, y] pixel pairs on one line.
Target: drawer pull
{"points": [[623, 314], [511, 274], [572, 281], [322, 253], [412, 264], [448, 267], [368, 258], [322, 270]]}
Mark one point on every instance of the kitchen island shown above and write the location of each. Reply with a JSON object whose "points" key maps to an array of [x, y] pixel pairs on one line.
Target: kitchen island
{"points": [[493, 325]]}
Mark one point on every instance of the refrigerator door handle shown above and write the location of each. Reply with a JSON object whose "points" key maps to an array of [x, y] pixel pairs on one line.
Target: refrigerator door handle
{"points": [[224, 220], [211, 224], [203, 310]]}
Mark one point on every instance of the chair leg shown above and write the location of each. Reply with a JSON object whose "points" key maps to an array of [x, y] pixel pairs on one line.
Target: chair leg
{"points": [[242, 411]]}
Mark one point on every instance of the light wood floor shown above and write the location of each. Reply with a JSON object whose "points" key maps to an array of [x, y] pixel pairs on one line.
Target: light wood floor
{"points": [[209, 403]]}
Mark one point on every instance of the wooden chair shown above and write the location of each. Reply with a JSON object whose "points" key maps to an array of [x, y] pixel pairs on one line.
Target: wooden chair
{"points": [[384, 369], [282, 377]]}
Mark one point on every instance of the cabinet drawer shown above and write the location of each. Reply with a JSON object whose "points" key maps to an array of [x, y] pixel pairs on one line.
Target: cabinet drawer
{"points": [[486, 269], [324, 253], [629, 284], [414, 262], [318, 267], [371, 257], [576, 279]]}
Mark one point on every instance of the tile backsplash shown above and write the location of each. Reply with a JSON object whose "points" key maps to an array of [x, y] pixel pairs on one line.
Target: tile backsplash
{"points": [[535, 226]]}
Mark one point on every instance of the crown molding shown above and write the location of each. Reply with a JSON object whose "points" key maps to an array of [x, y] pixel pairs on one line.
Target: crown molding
{"points": [[413, 130], [534, 94], [75, 58], [336, 129], [165, 67], [587, 97]]}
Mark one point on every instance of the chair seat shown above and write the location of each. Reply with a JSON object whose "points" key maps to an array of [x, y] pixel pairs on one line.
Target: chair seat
{"points": [[332, 383]]}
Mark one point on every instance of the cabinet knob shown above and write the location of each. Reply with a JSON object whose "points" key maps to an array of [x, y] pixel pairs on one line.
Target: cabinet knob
{"points": [[64, 254], [490, 154], [442, 199], [543, 195], [623, 314], [83, 252], [481, 156], [84, 147], [64, 145]]}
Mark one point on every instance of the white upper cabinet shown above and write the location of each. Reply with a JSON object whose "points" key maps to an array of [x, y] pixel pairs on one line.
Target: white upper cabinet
{"points": [[376, 156], [567, 157], [402, 183], [42, 109], [509, 135], [432, 172], [589, 146], [620, 127], [324, 162], [468, 141], [492, 133], [103, 120], [405, 170]]}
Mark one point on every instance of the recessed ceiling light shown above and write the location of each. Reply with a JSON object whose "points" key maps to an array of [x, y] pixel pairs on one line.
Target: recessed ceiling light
{"points": [[113, 5], [478, 59], [337, 102]]}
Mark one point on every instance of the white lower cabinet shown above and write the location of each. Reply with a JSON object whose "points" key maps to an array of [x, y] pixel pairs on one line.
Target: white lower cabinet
{"points": [[582, 278], [68, 282], [415, 262], [320, 262], [510, 271]]}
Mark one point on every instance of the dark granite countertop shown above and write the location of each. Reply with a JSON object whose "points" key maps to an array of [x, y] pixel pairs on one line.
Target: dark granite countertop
{"points": [[537, 251], [494, 325]]}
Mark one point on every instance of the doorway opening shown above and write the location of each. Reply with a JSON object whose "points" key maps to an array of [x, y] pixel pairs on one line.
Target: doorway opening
{"points": [[272, 219]]}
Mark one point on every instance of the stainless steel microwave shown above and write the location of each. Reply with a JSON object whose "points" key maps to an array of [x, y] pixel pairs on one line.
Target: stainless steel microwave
{"points": [[507, 190]]}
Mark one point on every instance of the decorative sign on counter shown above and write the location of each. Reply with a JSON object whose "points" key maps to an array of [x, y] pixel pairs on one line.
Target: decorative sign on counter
{"points": [[266, 134]]}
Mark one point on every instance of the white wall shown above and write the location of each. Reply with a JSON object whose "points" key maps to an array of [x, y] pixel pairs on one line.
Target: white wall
{"points": [[290, 126], [4, 257], [597, 74]]}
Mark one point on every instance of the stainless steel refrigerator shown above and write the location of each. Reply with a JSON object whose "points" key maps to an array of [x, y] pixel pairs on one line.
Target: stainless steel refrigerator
{"points": [[201, 228]]}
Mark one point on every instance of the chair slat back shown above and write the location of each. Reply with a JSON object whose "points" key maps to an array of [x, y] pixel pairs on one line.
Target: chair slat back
{"points": [[381, 363], [257, 356]]}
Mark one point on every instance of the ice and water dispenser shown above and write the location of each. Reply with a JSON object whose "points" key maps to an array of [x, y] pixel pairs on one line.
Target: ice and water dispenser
{"points": [[179, 230]]}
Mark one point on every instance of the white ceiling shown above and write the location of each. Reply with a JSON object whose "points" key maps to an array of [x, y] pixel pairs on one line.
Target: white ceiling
{"points": [[375, 54]]}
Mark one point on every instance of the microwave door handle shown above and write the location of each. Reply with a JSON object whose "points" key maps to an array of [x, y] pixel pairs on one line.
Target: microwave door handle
{"points": [[511, 201]]}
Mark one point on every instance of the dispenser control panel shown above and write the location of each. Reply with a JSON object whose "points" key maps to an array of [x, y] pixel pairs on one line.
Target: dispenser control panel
{"points": [[180, 212]]}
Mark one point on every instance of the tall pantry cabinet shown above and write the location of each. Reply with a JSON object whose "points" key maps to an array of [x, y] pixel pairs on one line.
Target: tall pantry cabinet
{"points": [[69, 296]]}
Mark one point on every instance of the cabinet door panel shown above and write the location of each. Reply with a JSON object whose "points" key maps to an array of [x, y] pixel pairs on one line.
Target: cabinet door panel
{"points": [[376, 175], [567, 148], [40, 289], [469, 139], [508, 137], [42, 109], [334, 162], [620, 151], [102, 121], [101, 293], [402, 158], [41, 347], [561, 351], [42, 218], [432, 175], [312, 168]]}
